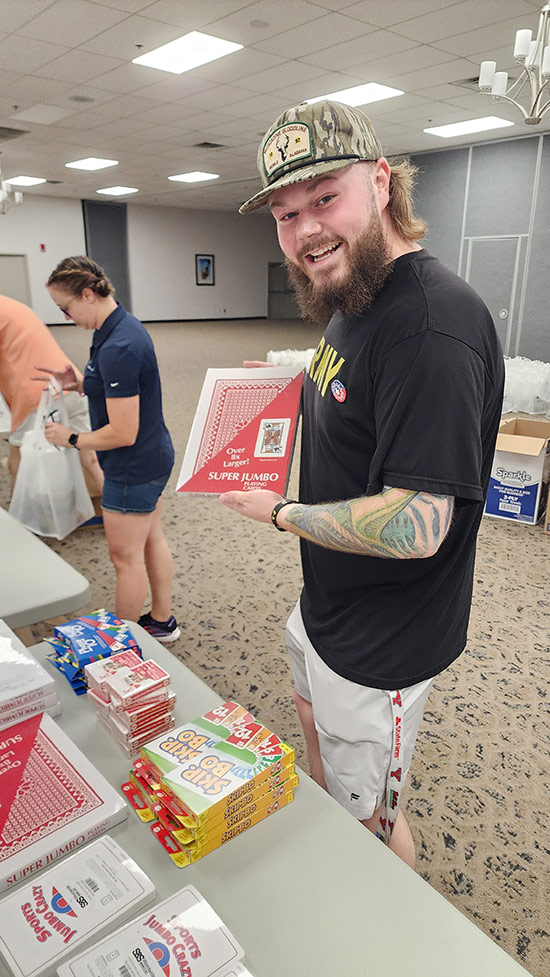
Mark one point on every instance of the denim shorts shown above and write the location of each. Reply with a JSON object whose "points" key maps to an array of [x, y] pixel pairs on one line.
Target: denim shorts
{"points": [[120, 497]]}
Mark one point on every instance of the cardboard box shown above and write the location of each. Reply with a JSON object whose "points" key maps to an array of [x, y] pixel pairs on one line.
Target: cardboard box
{"points": [[518, 487]]}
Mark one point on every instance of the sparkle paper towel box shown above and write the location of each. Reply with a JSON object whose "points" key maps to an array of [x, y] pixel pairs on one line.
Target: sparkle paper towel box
{"points": [[518, 488]]}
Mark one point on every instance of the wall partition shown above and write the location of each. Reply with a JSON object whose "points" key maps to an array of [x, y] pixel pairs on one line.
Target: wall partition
{"points": [[488, 213]]}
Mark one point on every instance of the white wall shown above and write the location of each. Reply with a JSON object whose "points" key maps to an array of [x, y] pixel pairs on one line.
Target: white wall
{"points": [[55, 222], [162, 243]]}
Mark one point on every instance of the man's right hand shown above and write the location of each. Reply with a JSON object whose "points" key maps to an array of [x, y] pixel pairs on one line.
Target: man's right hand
{"points": [[67, 378]]}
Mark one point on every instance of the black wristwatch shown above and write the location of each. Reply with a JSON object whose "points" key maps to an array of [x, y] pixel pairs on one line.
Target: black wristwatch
{"points": [[73, 439]]}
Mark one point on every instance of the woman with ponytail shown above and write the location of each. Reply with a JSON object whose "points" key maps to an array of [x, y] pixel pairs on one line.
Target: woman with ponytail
{"points": [[134, 448]]}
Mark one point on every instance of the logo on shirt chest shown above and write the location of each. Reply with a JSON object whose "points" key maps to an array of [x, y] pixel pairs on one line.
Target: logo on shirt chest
{"points": [[325, 366]]}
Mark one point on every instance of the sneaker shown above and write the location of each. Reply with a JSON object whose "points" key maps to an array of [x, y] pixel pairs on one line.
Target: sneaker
{"points": [[163, 631]]}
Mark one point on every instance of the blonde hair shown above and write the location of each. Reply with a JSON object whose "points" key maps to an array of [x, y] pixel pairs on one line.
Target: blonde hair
{"points": [[75, 274], [400, 207]]}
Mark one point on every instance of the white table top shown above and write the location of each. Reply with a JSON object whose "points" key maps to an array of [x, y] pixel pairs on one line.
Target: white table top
{"points": [[35, 582], [309, 892]]}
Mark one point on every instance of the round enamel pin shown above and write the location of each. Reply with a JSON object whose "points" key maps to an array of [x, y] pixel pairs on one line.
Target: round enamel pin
{"points": [[338, 391]]}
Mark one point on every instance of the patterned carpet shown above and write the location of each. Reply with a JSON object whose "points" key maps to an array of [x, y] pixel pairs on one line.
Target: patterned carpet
{"points": [[478, 800]]}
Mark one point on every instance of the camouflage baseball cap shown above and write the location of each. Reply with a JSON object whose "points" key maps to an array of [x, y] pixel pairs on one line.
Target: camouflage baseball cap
{"points": [[309, 140]]}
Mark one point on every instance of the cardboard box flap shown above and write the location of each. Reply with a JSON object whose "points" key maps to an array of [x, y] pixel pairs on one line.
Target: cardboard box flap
{"points": [[520, 444]]}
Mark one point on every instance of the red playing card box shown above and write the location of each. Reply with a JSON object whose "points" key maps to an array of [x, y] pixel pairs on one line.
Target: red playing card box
{"points": [[53, 799], [244, 430]]}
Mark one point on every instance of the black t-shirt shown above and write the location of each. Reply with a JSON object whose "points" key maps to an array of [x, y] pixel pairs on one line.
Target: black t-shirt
{"points": [[408, 395]]}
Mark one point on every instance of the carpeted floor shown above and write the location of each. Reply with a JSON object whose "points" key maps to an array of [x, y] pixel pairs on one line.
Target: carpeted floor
{"points": [[478, 799]]}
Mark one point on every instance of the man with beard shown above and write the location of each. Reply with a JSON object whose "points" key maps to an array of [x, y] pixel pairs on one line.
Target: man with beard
{"points": [[401, 407]]}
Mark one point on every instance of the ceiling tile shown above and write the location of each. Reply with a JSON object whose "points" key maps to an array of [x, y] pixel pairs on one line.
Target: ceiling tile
{"points": [[193, 14], [14, 14], [126, 78], [77, 66], [43, 114], [355, 52], [451, 20], [420, 56], [25, 54], [129, 6], [316, 36], [73, 21], [477, 42], [121, 41], [238, 65], [288, 73], [263, 19], [384, 13]]}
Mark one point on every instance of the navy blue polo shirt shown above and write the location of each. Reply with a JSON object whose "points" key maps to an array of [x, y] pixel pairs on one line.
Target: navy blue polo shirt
{"points": [[123, 364]]}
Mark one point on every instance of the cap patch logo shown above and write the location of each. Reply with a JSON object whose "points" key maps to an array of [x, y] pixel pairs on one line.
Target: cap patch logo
{"points": [[338, 391], [288, 143]]}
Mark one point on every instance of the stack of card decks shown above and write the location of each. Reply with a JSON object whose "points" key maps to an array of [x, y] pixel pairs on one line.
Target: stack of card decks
{"points": [[86, 639], [210, 780], [26, 688], [132, 699], [71, 905], [182, 935]]}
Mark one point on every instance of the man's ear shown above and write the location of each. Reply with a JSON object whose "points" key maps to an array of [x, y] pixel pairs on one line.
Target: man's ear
{"points": [[381, 180]]}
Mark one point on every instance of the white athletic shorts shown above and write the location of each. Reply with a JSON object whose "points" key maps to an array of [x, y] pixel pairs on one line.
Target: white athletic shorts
{"points": [[354, 725], [79, 418]]}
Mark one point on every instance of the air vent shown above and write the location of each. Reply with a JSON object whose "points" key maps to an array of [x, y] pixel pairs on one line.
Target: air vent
{"points": [[6, 133], [80, 98], [54, 181], [209, 145]]}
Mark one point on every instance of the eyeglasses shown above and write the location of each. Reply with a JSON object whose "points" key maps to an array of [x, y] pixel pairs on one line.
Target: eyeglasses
{"points": [[65, 309]]}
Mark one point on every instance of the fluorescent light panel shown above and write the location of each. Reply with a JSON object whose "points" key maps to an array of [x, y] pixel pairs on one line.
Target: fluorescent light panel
{"points": [[25, 181], [360, 94], [187, 52], [117, 191], [194, 177], [91, 163], [471, 125]]}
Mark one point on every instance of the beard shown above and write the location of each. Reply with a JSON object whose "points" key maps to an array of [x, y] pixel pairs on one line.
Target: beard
{"points": [[369, 266]]}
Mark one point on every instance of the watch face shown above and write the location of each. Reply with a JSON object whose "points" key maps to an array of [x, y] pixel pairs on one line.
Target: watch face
{"points": [[73, 438]]}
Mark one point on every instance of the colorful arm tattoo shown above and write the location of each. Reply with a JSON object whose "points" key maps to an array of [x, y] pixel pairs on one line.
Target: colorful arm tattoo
{"points": [[396, 524]]}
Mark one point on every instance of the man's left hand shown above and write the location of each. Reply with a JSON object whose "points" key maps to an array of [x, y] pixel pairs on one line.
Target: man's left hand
{"points": [[256, 505], [57, 434]]}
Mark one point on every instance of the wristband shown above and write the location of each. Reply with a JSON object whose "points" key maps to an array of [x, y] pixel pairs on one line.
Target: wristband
{"points": [[276, 509], [73, 439]]}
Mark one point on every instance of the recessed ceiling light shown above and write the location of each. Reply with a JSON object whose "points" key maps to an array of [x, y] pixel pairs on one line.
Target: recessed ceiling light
{"points": [[471, 125], [91, 163], [194, 177], [25, 181], [117, 191], [360, 94], [187, 52]]}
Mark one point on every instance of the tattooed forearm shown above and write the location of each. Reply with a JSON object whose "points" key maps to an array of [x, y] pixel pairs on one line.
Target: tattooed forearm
{"points": [[396, 524]]}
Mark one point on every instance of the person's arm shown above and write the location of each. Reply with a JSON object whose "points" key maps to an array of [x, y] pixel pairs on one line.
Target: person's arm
{"points": [[120, 432], [67, 378], [395, 524]]}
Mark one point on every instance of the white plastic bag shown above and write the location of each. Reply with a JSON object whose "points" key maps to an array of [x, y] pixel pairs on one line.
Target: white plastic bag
{"points": [[50, 496]]}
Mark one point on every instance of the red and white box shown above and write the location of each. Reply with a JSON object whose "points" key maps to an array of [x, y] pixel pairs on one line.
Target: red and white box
{"points": [[98, 672], [53, 799], [138, 683], [244, 430]]}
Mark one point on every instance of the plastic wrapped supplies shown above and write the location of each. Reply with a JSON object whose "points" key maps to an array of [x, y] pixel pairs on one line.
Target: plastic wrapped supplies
{"points": [[291, 357], [527, 386]]}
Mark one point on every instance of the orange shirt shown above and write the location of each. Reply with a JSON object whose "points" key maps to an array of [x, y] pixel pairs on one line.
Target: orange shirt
{"points": [[25, 343]]}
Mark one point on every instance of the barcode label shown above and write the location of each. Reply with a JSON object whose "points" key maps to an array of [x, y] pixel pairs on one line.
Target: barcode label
{"points": [[510, 507], [124, 971], [92, 885]]}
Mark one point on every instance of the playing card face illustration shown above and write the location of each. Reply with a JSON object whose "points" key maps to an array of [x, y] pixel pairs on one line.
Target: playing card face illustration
{"points": [[244, 431], [272, 437]]}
